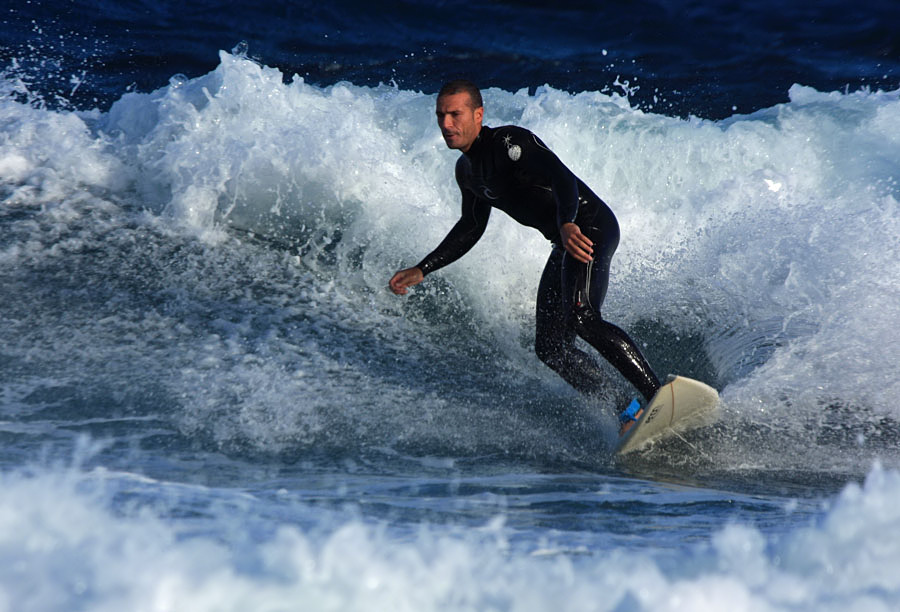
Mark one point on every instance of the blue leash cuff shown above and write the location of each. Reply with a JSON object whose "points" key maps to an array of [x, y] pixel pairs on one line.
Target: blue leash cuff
{"points": [[629, 413]]}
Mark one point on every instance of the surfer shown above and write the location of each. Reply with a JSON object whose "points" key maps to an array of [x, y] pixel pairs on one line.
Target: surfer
{"points": [[510, 168]]}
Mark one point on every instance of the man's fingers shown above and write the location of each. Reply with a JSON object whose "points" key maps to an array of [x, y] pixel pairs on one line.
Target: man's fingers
{"points": [[580, 254], [576, 243], [398, 285], [583, 241], [403, 279], [580, 247]]}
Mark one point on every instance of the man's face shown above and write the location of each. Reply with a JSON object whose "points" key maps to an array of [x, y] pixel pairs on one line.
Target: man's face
{"points": [[459, 122]]}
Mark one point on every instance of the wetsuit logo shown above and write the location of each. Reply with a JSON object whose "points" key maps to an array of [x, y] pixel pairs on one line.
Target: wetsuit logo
{"points": [[513, 150]]}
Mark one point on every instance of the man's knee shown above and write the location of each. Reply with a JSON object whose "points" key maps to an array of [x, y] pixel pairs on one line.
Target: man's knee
{"points": [[586, 320], [550, 351]]}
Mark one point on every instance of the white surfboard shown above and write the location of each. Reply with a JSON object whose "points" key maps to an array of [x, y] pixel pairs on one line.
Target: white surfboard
{"points": [[680, 404]]}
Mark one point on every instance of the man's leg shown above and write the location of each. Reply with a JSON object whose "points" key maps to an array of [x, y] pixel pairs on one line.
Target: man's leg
{"points": [[584, 289], [555, 332]]}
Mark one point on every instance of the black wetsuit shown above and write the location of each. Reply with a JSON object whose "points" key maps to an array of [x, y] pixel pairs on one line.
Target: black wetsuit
{"points": [[511, 169]]}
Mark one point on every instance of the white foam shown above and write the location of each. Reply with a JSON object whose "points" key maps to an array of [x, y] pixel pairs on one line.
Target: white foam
{"points": [[46, 157], [63, 547]]}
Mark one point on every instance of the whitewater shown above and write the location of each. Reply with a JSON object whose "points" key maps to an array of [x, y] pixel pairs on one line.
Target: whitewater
{"points": [[211, 401]]}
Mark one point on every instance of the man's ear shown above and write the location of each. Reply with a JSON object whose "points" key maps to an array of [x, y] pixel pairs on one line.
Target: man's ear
{"points": [[479, 114]]}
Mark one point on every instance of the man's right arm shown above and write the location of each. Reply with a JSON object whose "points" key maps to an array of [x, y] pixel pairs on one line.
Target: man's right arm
{"points": [[459, 240], [461, 237]]}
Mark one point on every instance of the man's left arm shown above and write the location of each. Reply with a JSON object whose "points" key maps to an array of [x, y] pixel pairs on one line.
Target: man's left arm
{"points": [[539, 160]]}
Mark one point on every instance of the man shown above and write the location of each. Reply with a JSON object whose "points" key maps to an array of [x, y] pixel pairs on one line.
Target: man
{"points": [[511, 169]]}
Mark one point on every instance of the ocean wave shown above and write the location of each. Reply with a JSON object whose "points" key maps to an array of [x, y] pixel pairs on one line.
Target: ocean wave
{"points": [[768, 240]]}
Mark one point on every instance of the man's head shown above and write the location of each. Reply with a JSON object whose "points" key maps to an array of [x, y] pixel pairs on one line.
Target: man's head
{"points": [[459, 113]]}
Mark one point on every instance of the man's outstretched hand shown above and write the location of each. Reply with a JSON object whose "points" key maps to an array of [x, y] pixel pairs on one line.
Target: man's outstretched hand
{"points": [[404, 279]]}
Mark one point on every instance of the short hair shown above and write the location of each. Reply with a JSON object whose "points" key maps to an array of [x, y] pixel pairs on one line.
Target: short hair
{"points": [[462, 86]]}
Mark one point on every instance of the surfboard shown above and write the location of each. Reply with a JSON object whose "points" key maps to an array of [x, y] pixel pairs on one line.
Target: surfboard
{"points": [[680, 404]]}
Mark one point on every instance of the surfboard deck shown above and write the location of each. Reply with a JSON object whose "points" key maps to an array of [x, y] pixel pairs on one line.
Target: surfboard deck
{"points": [[680, 404]]}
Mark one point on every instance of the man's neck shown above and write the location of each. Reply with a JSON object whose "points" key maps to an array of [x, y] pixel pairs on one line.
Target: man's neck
{"points": [[476, 144]]}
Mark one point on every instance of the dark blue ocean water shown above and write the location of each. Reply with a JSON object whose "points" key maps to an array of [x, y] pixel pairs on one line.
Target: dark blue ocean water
{"points": [[210, 401], [677, 56]]}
